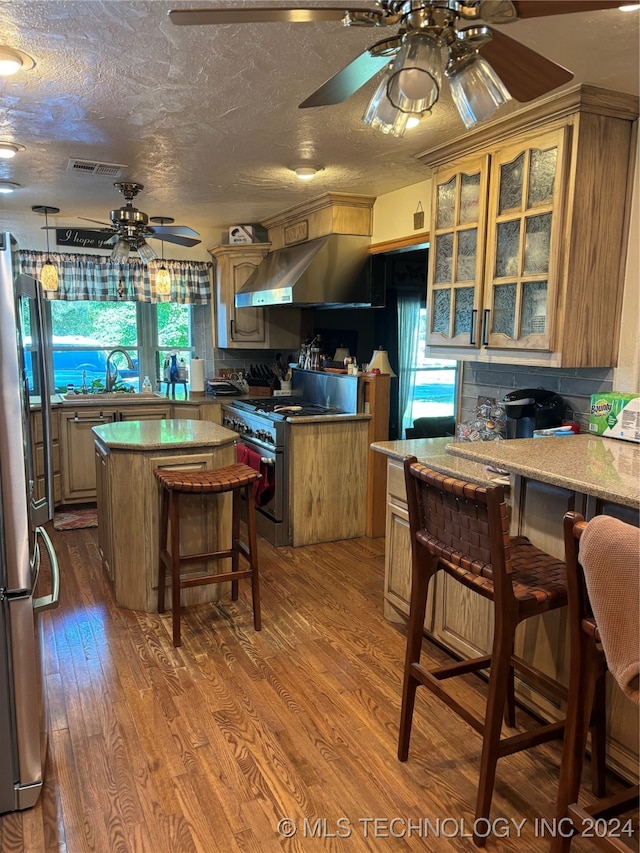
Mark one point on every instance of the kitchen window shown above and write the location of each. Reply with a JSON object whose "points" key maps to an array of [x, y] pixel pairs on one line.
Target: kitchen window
{"points": [[427, 386], [84, 332]]}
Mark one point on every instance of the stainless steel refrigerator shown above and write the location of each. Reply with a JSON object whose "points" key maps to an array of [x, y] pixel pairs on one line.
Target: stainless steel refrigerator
{"points": [[25, 548]]}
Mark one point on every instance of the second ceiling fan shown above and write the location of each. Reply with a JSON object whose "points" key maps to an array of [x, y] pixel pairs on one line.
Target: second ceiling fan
{"points": [[130, 227], [484, 67]]}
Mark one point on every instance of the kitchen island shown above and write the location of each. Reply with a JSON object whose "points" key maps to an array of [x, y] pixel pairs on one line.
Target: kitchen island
{"points": [[126, 455]]}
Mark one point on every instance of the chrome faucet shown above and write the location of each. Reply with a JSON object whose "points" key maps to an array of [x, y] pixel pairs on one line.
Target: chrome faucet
{"points": [[110, 380]]}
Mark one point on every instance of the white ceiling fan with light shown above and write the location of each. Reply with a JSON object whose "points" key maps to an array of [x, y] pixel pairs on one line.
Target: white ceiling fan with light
{"points": [[130, 228], [441, 38]]}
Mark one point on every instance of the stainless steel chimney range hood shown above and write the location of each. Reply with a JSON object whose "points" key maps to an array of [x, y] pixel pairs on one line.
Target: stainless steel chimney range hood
{"points": [[328, 272]]}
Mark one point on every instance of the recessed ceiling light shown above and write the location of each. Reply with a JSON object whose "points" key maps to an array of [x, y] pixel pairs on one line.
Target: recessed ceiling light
{"points": [[8, 186], [9, 150], [12, 61], [629, 7], [306, 172]]}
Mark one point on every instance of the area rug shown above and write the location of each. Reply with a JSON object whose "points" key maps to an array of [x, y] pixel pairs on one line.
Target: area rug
{"points": [[75, 519]]}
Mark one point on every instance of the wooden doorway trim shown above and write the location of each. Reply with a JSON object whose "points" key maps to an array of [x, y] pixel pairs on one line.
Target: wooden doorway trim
{"points": [[401, 243]]}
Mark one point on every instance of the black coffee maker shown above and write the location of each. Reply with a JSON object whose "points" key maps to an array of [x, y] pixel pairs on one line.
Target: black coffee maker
{"points": [[532, 408]]}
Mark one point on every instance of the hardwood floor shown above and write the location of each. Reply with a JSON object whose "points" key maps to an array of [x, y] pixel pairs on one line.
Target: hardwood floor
{"points": [[210, 746]]}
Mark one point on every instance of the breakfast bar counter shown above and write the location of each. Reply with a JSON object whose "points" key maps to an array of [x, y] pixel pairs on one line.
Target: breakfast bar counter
{"points": [[126, 455], [543, 479], [607, 469]]}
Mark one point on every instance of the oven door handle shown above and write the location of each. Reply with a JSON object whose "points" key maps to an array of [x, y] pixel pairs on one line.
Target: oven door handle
{"points": [[266, 460]]}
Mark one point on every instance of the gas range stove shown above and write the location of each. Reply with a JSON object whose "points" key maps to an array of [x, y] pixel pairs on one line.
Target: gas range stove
{"points": [[281, 408], [265, 419]]}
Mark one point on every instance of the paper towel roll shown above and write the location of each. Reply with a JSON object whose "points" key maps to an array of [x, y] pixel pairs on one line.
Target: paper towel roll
{"points": [[197, 375]]}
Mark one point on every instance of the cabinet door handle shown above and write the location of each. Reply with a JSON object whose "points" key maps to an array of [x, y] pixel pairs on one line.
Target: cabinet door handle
{"points": [[485, 327], [99, 420], [472, 333]]}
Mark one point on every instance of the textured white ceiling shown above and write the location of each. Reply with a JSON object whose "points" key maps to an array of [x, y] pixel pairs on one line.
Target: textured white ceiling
{"points": [[207, 118]]}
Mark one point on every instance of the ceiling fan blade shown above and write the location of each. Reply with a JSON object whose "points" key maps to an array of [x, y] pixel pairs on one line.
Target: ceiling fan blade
{"points": [[97, 221], [178, 230], [260, 15], [175, 238], [525, 73], [343, 84], [542, 8]]}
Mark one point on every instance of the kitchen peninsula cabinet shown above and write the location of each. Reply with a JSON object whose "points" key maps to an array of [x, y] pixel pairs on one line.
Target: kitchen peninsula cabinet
{"points": [[449, 607], [126, 455], [550, 476], [248, 328], [546, 288]]}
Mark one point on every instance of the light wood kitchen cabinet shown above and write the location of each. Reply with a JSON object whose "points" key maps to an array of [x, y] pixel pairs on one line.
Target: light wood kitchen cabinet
{"points": [[459, 207], [77, 444], [144, 413], [37, 439], [397, 556], [77, 450], [248, 328], [544, 286], [209, 411]]}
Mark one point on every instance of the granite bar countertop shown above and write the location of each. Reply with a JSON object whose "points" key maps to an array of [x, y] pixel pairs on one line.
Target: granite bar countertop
{"points": [[432, 452], [606, 468], [163, 435]]}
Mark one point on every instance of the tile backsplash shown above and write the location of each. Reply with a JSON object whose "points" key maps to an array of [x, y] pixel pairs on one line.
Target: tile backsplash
{"points": [[575, 385]]}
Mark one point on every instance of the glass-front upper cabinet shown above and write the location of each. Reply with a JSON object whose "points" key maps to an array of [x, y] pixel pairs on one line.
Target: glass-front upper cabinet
{"points": [[456, 267], [523, 256]]}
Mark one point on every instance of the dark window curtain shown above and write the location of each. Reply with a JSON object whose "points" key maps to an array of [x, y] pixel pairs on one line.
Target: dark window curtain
{"points": [[97, 277]]}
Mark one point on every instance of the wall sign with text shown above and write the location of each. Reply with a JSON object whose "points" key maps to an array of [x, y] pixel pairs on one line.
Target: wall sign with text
{"points": [[83, 239]]}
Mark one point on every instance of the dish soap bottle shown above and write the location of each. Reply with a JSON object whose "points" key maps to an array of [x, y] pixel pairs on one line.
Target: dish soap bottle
{"points": [[146, 385]]}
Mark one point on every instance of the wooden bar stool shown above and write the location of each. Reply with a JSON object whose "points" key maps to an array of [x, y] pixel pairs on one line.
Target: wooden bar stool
{"points": [[231, 478], [588, 668], [463, 529]]}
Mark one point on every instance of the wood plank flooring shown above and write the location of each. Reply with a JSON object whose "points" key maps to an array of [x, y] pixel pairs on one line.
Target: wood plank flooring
{"points": [[236, 738]]}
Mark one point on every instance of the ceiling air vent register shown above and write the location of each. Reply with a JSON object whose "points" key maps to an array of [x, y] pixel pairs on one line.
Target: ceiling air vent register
{"points": [[94, 167]]}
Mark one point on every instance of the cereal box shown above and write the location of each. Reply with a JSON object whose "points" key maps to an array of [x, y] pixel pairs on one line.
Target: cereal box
{"points": [[615, 415]]}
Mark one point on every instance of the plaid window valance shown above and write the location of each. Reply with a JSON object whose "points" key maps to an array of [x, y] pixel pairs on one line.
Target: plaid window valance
{"points": [[97, 277]]}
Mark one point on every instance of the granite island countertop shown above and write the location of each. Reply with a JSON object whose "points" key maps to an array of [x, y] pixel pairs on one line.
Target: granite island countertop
{"points": [[163, 434], [433, 453], [606, 468]]}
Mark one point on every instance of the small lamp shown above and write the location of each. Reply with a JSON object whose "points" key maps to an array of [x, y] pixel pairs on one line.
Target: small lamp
{"points": [[48, 273], [380, 361]]}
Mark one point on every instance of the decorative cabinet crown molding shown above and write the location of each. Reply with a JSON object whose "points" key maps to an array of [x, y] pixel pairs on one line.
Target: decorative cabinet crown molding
{"points": [[558, 107]]}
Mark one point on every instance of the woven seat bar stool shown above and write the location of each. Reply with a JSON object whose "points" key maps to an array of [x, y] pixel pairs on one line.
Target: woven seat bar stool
{"points": [[588, 668], [462, 529], [231, 478]]}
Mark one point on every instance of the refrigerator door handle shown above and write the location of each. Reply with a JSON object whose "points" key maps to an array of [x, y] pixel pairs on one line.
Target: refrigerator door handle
{"points": [[51, 601]]}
